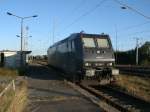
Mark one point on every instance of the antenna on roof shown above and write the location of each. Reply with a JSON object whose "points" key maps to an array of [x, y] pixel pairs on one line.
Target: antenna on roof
{"points": [[81, 31], [103, 33]]}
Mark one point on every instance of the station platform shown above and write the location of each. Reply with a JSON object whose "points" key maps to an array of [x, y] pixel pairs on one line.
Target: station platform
{"points": [[47, 92]]}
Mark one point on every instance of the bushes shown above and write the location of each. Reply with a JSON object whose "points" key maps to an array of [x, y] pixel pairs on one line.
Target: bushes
{"points": [[21, 71], [129, 57], [145, 62]]}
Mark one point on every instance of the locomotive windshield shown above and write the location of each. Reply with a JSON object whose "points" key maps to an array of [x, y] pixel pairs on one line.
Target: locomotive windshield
{"points": [[103, 43], [88, 42]]}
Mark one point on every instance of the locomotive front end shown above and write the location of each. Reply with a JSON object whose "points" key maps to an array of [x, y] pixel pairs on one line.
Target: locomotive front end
{"points": [[98, 57]]}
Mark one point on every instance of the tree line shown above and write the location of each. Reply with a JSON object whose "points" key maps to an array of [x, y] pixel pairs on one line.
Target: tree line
{"points": [[129, 57]]}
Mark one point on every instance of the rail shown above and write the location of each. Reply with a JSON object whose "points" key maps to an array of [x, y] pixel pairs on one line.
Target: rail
{"points": [[117, 100], [120, 100], [92, 97], [141, 71]]}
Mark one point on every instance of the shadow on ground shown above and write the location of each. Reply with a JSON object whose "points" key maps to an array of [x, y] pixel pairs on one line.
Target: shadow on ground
{"points": [[37, 71]]}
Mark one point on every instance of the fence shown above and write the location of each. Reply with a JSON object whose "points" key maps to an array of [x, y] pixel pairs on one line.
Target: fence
{"points": [[11, 84]]}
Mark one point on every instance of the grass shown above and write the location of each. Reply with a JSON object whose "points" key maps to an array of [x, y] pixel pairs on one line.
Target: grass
{"points": [[8, 72], [135, 85], [6, 100], [14, 101], [1, 88], [20, 99]]}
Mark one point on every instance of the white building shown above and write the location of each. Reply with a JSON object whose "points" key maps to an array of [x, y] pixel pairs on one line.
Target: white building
{"points": [[12, 58]]}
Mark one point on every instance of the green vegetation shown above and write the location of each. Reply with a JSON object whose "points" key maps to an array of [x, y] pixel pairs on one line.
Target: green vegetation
{"points": [[135, 85], [12, 73], [21, 71], [144, 56], [128, 57]]}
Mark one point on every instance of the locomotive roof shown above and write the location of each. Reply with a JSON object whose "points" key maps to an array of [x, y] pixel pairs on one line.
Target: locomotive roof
{"points": [[78, 35]]}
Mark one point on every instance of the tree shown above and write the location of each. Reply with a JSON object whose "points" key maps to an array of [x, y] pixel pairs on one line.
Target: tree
{"points": [[128, 57], [144, 54]]}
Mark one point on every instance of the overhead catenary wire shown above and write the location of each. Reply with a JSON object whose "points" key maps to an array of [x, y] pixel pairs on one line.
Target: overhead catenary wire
{"points": [[132, 9], [75, 9], [133, 26], [134, 33], [62, 21], [98, 5], [137, 25], [79, 6], [85, 14]]}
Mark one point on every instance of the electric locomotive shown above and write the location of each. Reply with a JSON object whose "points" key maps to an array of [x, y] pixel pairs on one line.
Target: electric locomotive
{"points": [[83, 56]]}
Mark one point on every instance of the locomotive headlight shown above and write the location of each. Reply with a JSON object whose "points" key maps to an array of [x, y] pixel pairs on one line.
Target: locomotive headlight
{"points": [[109, 64], [87, 64]]}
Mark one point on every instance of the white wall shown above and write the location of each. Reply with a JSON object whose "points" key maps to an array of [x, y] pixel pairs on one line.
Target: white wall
{"points": [[10, 59]]}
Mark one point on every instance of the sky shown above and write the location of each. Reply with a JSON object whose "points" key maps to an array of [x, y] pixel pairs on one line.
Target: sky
{"points": [[57, 19]]}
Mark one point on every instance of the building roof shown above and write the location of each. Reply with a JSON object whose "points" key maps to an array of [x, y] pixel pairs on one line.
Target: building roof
{"points": [[25, 52]]}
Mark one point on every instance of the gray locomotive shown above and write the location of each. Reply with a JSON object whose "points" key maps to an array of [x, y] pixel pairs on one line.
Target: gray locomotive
{"points": [[83, 56]]}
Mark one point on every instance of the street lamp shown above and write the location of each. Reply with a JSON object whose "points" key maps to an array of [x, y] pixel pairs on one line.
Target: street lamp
{"points": [[125, 6], [22, 20], [19, 36]]}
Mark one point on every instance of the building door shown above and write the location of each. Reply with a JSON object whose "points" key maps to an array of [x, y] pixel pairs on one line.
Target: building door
{"points": [[2, 59]]}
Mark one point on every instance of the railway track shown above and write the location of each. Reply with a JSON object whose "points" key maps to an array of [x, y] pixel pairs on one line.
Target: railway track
{"points": [[135, 70], [117, 99], [134, 73]]}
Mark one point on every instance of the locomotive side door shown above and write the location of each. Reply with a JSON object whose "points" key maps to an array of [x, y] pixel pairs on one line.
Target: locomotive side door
{"points": [[2, 59], [71, 56]]}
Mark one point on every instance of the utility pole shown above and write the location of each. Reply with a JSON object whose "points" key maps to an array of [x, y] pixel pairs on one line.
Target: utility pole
{"points": [[53, 30], [137, 51], [21, 36], [116, 42], [26, 39]]}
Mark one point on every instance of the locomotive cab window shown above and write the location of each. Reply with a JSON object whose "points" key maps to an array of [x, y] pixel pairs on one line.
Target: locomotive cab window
{"points": [[103, 43], [88, 42]]}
